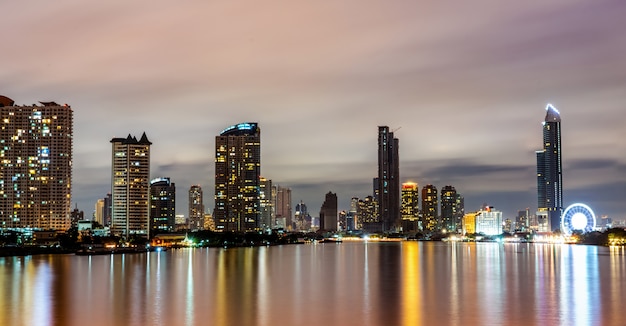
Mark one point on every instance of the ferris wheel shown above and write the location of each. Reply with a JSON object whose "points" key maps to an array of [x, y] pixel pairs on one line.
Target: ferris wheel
{"points": [[578, 217]]}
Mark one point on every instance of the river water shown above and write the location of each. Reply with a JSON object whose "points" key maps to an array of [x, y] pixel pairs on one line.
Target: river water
{"points": [[350, 283]]}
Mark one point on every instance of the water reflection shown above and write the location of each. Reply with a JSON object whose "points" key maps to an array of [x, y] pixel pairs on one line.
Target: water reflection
{"points": [[410, 283]]}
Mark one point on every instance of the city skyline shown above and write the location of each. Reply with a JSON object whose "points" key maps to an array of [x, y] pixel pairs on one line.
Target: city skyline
{"points": [[319, 92]]}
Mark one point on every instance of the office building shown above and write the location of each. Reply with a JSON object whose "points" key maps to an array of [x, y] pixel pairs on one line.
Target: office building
{"points": [[196, 208], [130, 186], [237, 178], [98, 212], [162, 206], [430, 205], [450, 209], [367, 215], [282, 204], [410, 207], [388, 180], [550, 171], [36, 165], [328, 213], [266, 203]]}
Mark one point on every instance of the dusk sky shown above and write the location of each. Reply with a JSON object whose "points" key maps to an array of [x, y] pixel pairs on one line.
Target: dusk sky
{"points": [[464, 83]]}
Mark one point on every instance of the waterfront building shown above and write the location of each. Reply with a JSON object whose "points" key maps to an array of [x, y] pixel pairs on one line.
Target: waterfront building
{"points": [[388, 180], [550, 171], [196, 208], [449, 209], [108, 206], [469, 223], [35, 165], [367, 215], [302, 219], [130, 186], [282, 203], [162, 206], [328, 213], [522, 222], [489, 221], [98, 212], [266, 203], [410, 207], [237, 178], [460, 211], [430, 204]]}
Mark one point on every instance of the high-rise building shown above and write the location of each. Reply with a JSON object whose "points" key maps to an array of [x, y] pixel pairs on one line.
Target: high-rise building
{"points": [[35, 165], [237, 178], [460, 212], [282, 204], [550, 171], [449, 208], [367, 214], [108, 209], [130, 186], [196, 208], [162, 206], [98, 213], [388, 179], [302, 219], [410, 207], [328, 213], [430, 204], [266, 203]]}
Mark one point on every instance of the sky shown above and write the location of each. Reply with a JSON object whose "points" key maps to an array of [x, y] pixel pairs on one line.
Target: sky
{"points": [[464, 84]]}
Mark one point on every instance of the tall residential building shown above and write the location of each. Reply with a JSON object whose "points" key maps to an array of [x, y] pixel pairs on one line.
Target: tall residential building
{"points": [[367, 214], [162, 206], [196, 208], [430, 204], [98, 213], [266, 203], [130, 186], [36, 165], [449, 208], [282, 204], [550, 171], [328, 213], [388, 179], [460, 212], [302, 219], [237, 178], [410, 207], [108, 209]]}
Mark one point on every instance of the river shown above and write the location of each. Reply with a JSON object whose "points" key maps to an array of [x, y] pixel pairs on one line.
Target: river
{"points": [[349, 283]]}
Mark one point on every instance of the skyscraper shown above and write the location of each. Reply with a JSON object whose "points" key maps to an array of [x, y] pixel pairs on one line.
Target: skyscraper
{"points": [[266, 203], [130, 186], [410, 207], [237, 178], [282, 204], [550, 171], [162, 206], [328, 213], [388, 179], [430, 204], [196, 208], [35, 165], [449, 208]]}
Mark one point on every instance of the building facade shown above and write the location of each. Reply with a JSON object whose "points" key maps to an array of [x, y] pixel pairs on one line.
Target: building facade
{"points": [[451, 209], [282, 204], [36, 165], [550, 171], [266, 203], [162, 206], [430, 205], [237, 178], [196, 208], [130, 186], [489, 221], [410, 207], [388, 180], [328, 213]]}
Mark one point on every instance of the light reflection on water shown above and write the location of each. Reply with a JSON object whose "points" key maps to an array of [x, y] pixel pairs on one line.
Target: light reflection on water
{"points": [[409, 283]]}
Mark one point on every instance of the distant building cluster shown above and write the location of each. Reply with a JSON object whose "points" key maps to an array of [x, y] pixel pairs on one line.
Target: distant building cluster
{"points": [[36, 188]]}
